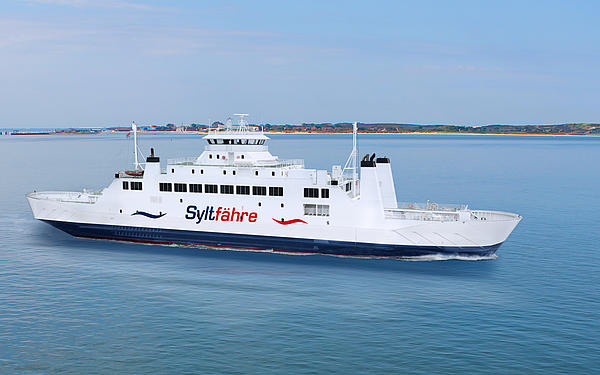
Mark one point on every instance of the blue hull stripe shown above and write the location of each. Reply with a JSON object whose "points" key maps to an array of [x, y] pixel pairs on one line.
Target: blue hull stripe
{"points": [[255, 242]]}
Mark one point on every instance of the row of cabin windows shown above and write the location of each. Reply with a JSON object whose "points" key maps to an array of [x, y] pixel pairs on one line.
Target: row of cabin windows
{"points": [[274, 191], [132, 185], [314, 193], [218, 156], [193, 171], [202, 171], [316, 209], [224, 171], [236, 141]]}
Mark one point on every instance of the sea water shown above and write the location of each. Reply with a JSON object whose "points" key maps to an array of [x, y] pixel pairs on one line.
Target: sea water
{"points": [[76, 306]]}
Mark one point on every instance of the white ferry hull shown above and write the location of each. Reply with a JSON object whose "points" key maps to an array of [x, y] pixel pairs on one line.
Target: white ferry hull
{"points": [[164, 226], [293, 245]]}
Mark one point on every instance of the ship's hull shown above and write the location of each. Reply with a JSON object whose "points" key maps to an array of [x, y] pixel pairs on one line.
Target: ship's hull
{"points": [[264, 243]]}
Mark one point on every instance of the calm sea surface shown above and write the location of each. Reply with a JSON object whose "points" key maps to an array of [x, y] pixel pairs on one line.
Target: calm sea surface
{"points": [[74, 306]]}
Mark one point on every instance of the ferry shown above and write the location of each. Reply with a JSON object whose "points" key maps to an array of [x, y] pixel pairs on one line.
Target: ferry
{"points": [[237, 195]]}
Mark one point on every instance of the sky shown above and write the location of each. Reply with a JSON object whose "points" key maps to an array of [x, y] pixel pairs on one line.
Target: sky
{"points": [[76, 63]]}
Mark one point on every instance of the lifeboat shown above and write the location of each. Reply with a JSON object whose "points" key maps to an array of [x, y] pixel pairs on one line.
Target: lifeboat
{"points": [[134, 173]]}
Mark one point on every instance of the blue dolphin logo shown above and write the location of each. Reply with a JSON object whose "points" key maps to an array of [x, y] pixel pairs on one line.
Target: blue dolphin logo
{"points": [[151, 216]]}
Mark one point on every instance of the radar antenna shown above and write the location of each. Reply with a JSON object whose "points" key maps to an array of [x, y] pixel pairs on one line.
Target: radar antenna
{"points": [[242, 124]]}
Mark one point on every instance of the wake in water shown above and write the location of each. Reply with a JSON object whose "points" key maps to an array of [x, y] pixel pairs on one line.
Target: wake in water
{"points": [[440, 257], [421, 258]]}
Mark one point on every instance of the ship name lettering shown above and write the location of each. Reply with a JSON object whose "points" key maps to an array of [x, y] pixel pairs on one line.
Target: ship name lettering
{"points": [[220, 214]]}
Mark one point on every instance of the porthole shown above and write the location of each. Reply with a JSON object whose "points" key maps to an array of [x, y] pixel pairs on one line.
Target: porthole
{"points": [[282, 205], [201, 171], [210, 156], [172, 170], [120, 211], [193, 171], [273, 174], [256, 173], [180, 200], [224, 172], [242, 156], [259, 204], [233, 173]]}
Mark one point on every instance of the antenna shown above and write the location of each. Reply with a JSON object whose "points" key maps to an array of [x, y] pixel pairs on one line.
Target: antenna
{"points": [[135, 148], [352, 162]]}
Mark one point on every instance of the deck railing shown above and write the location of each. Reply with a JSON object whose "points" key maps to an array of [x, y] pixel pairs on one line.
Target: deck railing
{"points": [[299, 163], [422, 215], [68, 196], [429, 212], [432, 206]]}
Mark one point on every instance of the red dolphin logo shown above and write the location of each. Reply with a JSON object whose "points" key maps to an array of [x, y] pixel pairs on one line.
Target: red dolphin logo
{"points": [[288, 222]]}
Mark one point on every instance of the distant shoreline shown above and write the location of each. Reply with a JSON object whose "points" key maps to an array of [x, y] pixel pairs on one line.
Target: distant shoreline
{"points": [[182, 133], [569, 129]]}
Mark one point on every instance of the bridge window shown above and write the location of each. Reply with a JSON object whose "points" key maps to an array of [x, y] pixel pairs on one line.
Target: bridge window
{"points": [[259, 190], [275, 191], [125, 185], [195, 188], [226, 189], [242, 190], [311, 193], [211, 189], [316, 209], [180, 188], [136, 185], [324, 193], [165, 186]]}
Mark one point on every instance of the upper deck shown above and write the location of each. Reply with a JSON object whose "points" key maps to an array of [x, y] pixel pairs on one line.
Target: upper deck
{"points": [[269, 163], [240, 145], [241, 134]]}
